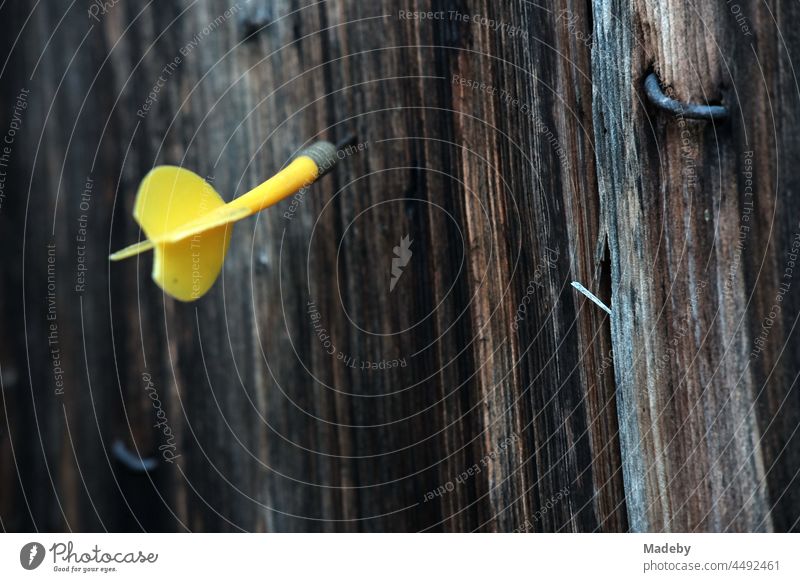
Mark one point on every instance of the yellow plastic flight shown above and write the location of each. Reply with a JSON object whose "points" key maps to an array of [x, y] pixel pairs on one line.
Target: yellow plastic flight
{"points": [[188, 225]]}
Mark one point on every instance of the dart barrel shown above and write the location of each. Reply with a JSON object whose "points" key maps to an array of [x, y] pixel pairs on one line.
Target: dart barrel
{"points": [[324, 154]]}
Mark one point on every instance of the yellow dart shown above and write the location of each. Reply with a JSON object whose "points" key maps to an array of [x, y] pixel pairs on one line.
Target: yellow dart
{"points": [[188, 224]]}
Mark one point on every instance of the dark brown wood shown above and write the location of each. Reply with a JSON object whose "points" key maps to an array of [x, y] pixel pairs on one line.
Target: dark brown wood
{"points": [[517, 154]]}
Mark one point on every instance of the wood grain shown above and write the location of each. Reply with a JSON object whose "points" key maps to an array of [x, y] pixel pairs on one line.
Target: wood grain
{"points": [[518, 155], [688, 241]]}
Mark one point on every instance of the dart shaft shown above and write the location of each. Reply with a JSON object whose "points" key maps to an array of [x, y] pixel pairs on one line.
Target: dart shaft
{"points": [[309, 165]]}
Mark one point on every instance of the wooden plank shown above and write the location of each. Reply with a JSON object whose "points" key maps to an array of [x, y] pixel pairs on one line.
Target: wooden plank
{"points": [[690, 244], [495, 190]]}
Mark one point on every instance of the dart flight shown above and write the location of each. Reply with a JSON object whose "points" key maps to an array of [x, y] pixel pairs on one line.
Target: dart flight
{"points": [[188, 225]]}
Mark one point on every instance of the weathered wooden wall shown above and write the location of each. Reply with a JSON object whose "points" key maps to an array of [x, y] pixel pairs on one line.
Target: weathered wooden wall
{"points": [[555, 170]]}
